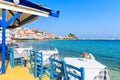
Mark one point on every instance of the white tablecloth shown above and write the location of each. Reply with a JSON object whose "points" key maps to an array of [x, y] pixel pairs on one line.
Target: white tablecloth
{"points": [[93, 69], [48, 53], [22, 52]]}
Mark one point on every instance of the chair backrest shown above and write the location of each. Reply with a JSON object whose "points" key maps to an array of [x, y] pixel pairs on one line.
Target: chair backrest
{"points": [[12, 52], [39, 58], [74, 73], [66, 71], [57, 68], [32, 60], [12, 57], [32, 56], [38, 63]]}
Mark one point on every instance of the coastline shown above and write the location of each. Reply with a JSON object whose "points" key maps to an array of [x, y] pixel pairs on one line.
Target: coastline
{"points": [[102, 50], [25, 40]]}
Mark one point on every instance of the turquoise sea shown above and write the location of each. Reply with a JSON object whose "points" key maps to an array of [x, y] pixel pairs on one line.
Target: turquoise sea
{"points": [[105, 51]]}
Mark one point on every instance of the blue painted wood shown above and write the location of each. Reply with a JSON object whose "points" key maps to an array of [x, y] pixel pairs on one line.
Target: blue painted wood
{"points": [[36, 6], [12, 57], [82, 73], [31, 4], [3, 39], [13, 15], [4, 25], [57, 69], [72, 71], [14, 60], [39, 68], [0, 22], [3, 48], [13, 18], [32, 59], [54, 14], [36, 64], [25, 63]]}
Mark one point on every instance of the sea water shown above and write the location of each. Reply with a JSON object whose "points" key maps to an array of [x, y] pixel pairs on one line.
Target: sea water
{"points": [[106, 52]]}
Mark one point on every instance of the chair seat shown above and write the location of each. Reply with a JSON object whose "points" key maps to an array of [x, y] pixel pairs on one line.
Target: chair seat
{"points": [[57, 69], [44, 68], [58, 75]]}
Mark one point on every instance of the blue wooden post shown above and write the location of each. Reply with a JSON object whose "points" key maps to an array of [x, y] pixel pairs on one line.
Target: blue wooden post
{"points": [[4, 25], [3, 40], [82, 73]]}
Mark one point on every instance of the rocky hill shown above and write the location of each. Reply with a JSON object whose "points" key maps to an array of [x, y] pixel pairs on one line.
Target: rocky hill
{"points": [[70, 36]]}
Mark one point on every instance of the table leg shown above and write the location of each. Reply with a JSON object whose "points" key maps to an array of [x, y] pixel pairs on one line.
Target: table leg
{"points": [[25, 62]]}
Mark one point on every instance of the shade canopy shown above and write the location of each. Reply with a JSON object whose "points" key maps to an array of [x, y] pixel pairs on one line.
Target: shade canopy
{"points": [[23, 19], [30, 11]]}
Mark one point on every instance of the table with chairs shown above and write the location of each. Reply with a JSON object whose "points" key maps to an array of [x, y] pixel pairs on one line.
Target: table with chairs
{"points": [[57, 69], [94, 70], [37, 66], [18, 56], [63, 71]]}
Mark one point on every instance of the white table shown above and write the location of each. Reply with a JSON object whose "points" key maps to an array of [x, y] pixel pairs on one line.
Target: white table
{"points": [[22, 52], [48, 53], [92, 67]]}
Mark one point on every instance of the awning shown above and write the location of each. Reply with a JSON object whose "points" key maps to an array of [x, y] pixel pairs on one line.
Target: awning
{"points": [[30, 11]]}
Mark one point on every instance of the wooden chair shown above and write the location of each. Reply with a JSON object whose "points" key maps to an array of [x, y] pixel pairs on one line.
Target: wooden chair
{"points": [[14, 60], [74, 73], [57, 69], [37, 67], [32, 61], [62, 71]]}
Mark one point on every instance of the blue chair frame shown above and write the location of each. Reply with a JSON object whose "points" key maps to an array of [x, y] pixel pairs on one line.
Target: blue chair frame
{"points": [[57, 69], [71, 70], [36, 64], [32, 60], [13, 60]]}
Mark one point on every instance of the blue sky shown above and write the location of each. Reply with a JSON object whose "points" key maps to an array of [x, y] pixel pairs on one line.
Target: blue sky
{"points": [[84, 18]]}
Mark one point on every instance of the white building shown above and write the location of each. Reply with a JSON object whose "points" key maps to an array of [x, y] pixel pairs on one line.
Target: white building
{"points": [[8, 36]]}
